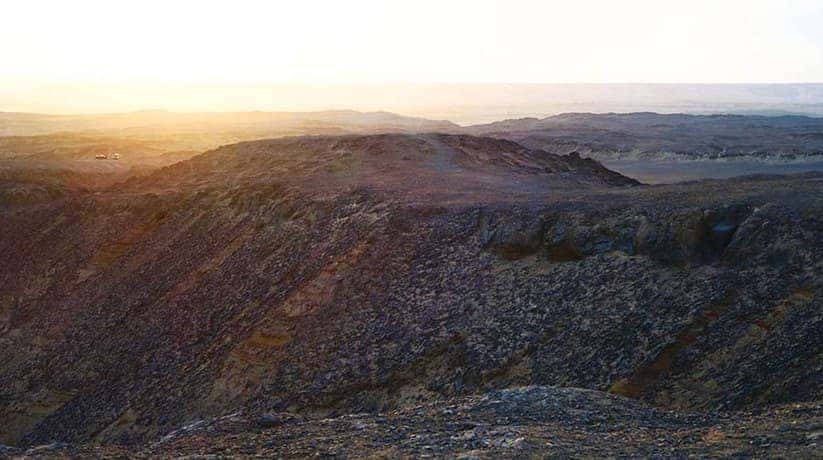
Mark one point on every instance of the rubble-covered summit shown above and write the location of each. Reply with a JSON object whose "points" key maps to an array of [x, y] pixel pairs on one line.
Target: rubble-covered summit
{"points": [[433, 167]]}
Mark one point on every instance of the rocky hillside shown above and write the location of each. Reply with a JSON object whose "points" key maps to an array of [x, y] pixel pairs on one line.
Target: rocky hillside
{"points": [[326, 276], [652, 135], [46, 152], [426, 166]]}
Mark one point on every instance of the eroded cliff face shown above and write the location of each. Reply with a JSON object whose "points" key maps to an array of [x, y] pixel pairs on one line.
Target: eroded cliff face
{"points": [[280, 281]]}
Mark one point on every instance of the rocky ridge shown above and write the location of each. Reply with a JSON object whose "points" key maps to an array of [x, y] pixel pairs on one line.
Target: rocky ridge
{"points": [[653, 136]]}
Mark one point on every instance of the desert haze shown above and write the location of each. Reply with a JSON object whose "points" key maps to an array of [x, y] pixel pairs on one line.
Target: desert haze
{"points": [[401, 230]]}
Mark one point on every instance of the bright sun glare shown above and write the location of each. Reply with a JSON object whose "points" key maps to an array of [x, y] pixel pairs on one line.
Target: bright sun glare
{"points": [[247, 42], [463, 41]]}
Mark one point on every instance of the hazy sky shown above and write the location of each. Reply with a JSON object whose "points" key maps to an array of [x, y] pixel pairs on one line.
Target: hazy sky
{"points": [[132, 43], [412, 41]]}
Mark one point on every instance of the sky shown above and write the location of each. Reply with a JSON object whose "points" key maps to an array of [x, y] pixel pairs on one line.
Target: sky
{"points": [[139, 45]]}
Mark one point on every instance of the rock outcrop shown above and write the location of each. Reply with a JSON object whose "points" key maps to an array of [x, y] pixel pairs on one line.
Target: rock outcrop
{"points": [[511, 423]]}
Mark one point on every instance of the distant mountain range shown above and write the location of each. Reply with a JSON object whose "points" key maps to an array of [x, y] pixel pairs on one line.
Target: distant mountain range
{"points": [[603, 136], [237, 123], [625, 142], [160, 138], [459, 102], [652, 135]]}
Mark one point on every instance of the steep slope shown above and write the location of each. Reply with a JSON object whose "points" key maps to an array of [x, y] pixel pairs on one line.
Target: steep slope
{"points": [[332, 275]]}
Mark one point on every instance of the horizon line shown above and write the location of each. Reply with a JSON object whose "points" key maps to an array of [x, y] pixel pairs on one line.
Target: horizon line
{"points": [[243, 83]]}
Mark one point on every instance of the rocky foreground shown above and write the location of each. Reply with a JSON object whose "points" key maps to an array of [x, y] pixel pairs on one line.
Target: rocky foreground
{"points": [[512, 423], [413, 281]]}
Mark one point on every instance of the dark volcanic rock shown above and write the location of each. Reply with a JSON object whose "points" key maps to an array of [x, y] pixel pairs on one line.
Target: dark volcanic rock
{"points": [[276, 419], [511, 423], [344, 275]]}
